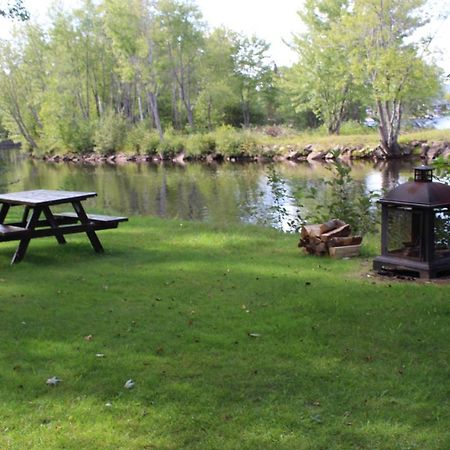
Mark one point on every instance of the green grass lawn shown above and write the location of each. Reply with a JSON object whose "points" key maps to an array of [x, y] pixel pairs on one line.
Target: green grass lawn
{"points": [[234, 339]]}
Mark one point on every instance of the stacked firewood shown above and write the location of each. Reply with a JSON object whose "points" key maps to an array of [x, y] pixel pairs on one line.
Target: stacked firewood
{"points": [[330, 238]]}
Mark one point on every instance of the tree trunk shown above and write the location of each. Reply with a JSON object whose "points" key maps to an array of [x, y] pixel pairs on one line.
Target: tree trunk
{"points": [[334, 126], [190, 114], [176, 121], [181, 74], [141, 113], [389, 129], [98, 104], [14, 109], [83, 110], [209, 112], [245, 110], [185, 98], [153, 102]]}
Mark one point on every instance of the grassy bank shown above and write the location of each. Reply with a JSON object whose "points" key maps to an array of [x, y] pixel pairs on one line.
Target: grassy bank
{"points": [[233, 338]]}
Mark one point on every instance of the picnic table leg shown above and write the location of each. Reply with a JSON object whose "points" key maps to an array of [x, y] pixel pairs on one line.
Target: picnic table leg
{"points": [[25, 215], [95, 242], [51, 220], [3, 212], [23, 244]]}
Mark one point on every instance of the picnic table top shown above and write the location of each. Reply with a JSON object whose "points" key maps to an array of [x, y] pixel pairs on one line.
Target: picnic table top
{"points": [[43, 197]]}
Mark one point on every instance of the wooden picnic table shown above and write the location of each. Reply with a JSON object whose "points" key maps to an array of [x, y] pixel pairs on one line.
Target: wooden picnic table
{"points": [[38, 220]]}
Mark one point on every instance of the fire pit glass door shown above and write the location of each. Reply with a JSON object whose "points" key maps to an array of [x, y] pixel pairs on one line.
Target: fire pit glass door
{"points": [[404, 231], [442, 233]]}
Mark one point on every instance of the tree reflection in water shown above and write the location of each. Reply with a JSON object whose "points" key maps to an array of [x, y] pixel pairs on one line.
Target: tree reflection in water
{"points": [[219, 193]]}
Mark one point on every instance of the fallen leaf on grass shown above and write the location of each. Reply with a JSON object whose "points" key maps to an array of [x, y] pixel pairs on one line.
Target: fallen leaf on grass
{"points": [[53, 381]]}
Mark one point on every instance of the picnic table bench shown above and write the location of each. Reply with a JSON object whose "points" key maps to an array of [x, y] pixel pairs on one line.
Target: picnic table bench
{"points": [[39, 221]]}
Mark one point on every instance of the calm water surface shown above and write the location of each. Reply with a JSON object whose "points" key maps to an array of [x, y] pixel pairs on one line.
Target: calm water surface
{"points": [[223, 193]]}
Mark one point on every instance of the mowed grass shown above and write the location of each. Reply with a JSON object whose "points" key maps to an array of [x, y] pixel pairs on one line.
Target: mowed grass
{"points": [[234, 340]]}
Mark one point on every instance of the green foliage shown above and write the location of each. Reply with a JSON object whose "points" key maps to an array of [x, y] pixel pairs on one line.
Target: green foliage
{"points": [[171, 145], [345, 199], [227, 140], [385, 59], [200, 144], [76, 136], [231, 142], [110, 133], [141, 140], [321, 81], [348, 128], [252, 72], [442, 168], [282, 216], [220, 90], [156, 62], [4, 133]]}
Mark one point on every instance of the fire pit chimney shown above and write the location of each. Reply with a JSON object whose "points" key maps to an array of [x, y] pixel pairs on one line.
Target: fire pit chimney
{"points": [[423, 174]]}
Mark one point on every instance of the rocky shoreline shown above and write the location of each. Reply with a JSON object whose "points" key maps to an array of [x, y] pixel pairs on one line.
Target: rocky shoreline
{"points": [[427, 151]]}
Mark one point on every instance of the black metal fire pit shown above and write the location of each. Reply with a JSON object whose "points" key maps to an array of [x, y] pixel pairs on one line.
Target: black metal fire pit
{"points": [[415, 227]]}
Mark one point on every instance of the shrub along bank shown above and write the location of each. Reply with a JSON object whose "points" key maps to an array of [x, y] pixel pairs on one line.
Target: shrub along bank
{"points": [[269, 143]]}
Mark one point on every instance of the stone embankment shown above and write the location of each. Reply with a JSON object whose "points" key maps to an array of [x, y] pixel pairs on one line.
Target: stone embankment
{"points": [[291, 152], [432, 150]]}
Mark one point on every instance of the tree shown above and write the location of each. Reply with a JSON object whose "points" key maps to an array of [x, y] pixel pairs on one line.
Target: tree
{"points": [[21, 83], [77, 77], [132, 29], [182, 40], [218, 91], [321, 80], [252, 71], [15, 10], [385, 60]]}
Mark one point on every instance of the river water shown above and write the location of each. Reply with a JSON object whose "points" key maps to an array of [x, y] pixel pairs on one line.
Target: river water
{"points": [[218, 193]]}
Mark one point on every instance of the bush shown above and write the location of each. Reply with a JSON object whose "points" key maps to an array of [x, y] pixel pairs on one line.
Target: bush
{"points": [[249, 144], [142, 140], [231, 142], [109, 135], [342, 197], [77, 135], [171, 145], [200, 145]]}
